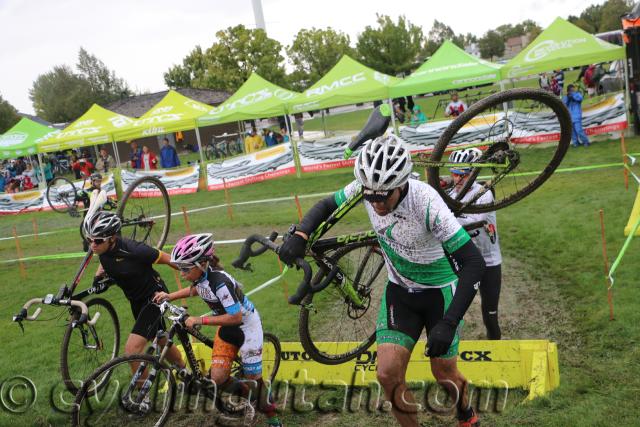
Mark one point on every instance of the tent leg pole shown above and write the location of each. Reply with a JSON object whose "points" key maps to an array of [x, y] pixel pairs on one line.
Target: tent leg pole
{"points": [[43, 180], [627, 95], [393, 117], [294, 148], [324, 124], [199, 145]]}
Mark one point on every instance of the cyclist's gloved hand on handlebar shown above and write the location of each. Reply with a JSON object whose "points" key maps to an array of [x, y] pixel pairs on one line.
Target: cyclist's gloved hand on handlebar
{"points": [[440, 338], [100, 284], [294, 247]]}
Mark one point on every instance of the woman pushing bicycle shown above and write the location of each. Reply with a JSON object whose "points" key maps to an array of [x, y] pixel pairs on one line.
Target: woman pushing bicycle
{"points": [[238, 321]]}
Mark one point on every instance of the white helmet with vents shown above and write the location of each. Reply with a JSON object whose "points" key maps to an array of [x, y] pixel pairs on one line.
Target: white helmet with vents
{"points": [[383, 164]]}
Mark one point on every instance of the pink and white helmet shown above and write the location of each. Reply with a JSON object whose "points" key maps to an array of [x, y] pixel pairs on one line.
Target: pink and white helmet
{"points": [[192, 248]]}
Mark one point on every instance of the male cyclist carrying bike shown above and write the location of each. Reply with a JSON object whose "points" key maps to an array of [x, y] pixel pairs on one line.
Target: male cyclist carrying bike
{"points": [[412, 224], [238, 321]]}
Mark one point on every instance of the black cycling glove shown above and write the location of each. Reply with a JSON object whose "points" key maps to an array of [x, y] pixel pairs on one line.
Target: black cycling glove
{"points": [[100, 284], [293, 248], [440, 338]]}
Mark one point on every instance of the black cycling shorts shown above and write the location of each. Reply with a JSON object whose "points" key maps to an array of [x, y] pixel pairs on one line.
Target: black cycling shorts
{"points": [[404, 315], [148, 318]]}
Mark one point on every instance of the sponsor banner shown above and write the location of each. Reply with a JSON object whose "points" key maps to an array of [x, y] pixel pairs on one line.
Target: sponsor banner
{"points": [[35, 200], [177, 181], [250, 168]]}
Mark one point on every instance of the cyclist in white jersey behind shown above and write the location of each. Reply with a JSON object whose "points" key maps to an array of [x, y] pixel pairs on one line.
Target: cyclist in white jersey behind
{"points": [[238, 321], [485, 238], [412, 224]]}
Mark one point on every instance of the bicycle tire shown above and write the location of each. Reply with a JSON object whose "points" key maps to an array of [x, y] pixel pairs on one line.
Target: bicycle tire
{"points": [[53, 197], [130, 210], [364, 337], [495, 101], [73, 371], [91, 409]]}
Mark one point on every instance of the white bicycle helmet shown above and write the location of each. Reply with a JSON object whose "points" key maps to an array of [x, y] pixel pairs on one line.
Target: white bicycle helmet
{"points": [[383, 164], [193, 248], [102, 224], [468, 155]]}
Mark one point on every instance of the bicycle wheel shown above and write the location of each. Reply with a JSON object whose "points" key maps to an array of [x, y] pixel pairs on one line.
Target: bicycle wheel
{"points": [[123, 400], [332, 329], [523, 135], [270, 359], [145, 216], [85, 348], [61, 194]]}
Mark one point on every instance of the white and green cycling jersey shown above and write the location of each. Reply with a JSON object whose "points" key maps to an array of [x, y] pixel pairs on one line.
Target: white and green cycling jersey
{"points": [[413, 236]]}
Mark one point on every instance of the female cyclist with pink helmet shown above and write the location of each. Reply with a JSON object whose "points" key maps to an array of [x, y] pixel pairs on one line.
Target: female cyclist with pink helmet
{"points": [[238, 321]]}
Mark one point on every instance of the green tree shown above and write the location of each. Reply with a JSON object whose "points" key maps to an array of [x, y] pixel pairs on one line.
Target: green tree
{"points": [[391, 47], [60, 95], [440, 32], [313, 53], [229, 62], [106, 87], [8, 115], [610, 15], [491, 45], [582, 23]]}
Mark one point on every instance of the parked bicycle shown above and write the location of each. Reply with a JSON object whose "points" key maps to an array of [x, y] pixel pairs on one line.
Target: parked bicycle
{"points": [[158, 389], [339, 302]]}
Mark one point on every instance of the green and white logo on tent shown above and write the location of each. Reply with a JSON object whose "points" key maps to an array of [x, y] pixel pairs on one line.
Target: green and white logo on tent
{"points": [[10, 139], [547, 47]]}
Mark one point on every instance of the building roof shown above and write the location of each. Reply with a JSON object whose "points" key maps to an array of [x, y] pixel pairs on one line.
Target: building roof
{"points": [[136, 106]]}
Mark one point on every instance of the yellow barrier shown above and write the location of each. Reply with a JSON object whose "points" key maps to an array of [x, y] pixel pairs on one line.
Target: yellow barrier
{"points": [[528, 364]]}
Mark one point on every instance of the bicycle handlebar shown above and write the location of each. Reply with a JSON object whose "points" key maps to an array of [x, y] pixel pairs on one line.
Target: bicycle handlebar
{"points": [[179, 313], [268, 243], [84, 310]]}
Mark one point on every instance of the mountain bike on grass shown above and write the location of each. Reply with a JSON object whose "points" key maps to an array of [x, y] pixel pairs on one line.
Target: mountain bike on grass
{"points": [[339, 302], [92, 328], [158, 389]]}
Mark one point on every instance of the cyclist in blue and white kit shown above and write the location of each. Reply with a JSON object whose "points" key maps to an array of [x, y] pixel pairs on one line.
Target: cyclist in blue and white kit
{"points": [[485, 238], [412, 224], [240, 327]]}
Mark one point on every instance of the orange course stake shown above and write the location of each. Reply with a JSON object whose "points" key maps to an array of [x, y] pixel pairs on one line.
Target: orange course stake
{"points": [[35, 227], [227, 199], [606, 266], [299, 211], [177, 276], [186, 220], [23, 270], [624, 160]]}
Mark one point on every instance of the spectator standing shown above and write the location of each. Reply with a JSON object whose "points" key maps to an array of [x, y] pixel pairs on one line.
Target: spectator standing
{"points": [[558, 82], [135, 156], [544, 82], [76, 172], [105, 162], [168, 155], [573, 101], [455, 107], [285, 135], [269, 137], [149, 160], [418, 116], [83, 167], [299, 124], [253, 142]]}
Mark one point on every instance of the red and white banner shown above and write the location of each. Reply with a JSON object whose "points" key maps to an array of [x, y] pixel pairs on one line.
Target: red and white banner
{"points": [[177, 181]]}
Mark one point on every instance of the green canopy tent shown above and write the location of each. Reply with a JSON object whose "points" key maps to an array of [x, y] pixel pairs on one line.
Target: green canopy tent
{"points": [[96, 126], [175, 112], [256, 98], [449, 68], [348, 82], [22, 140], [562, 45]]}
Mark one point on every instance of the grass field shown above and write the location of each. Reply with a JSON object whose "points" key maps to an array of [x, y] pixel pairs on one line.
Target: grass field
{"points": [[551, 239]]}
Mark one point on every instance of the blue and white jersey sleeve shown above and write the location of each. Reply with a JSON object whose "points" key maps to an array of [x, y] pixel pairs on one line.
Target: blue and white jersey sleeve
{"points": [[227, 296]]}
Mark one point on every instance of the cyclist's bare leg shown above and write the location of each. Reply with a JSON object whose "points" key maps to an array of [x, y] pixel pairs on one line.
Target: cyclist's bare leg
{"points": [[448, 376], [392, 366]]}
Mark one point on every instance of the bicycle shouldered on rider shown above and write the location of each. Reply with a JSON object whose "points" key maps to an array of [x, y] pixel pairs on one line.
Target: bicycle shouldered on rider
{"points": [[414, 228]]}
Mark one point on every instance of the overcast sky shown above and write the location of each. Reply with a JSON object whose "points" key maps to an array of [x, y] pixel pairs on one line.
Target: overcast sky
{"points": [[141, 39]]}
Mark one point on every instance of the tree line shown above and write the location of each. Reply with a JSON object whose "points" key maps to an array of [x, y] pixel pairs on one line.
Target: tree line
{"points": [[395, 47]]}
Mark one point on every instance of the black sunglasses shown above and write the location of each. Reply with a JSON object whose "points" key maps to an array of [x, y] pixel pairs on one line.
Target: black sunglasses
{"points": [[376, 195], [96, 241], [185, 268]]}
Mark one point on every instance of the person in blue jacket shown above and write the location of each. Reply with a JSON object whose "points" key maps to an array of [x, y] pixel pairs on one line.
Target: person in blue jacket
{"points": [[573, 101], [168, 155]]}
